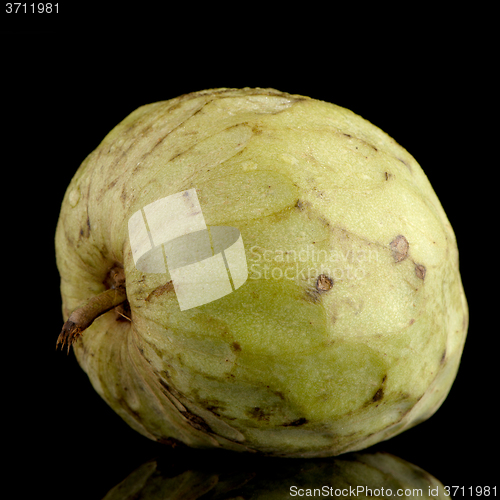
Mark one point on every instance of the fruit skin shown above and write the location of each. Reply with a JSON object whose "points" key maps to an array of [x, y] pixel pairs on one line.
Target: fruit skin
{"points": [[286, 367]]}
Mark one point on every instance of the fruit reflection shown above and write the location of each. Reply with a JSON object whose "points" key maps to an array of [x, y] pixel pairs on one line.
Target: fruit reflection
{"points": [[211, 476]]}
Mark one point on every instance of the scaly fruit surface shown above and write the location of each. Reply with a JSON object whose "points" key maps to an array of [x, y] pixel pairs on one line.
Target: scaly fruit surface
{"points": [[351, 322]]}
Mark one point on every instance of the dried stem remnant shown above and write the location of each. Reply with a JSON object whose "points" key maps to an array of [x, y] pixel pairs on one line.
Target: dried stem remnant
{"points": [[82, 317]]}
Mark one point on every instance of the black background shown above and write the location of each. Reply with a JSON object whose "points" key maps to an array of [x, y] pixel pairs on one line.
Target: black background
{"points": [[63, 93]]}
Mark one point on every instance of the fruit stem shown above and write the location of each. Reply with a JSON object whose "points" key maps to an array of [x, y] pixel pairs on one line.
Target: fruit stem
{"points": [[82, 317]]}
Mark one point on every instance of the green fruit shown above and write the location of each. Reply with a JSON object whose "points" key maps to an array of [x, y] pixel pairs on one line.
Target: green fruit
{"points": [[349, 325]]}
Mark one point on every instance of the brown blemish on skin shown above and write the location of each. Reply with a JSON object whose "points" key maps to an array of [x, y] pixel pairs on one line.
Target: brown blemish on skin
{"points": [[443, 357], [160, 290], [165, 386], [258, 414], [405, 164], [235, 347], [196, 421], [324, 222], [123, 195], [280, 395], [399, 247], [85, 233], [312, 295], [214, 407], [111, 185], [420, 271], [380, 392], [324, 283], [360, 140], [378, 395], [296, 423], [302, 205], [256, 129]]}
